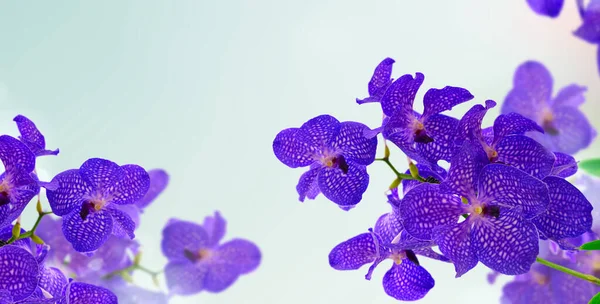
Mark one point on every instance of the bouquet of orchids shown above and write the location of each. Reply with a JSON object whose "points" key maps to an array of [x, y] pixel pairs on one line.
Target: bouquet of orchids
{"points": [[503, 200], [83, 251]]}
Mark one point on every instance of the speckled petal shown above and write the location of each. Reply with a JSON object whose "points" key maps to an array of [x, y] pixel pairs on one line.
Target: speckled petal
{"points": [[308, 186], [101, 173], [180, 235], [294, 148], [220, 276], [78, 292], [70, 192], [19, 273], [569, 213], [430, 253], [549, 8], [215, 227], [575, 130], [570, 96], [88, 235], [354, 253], [526, 154], [185, 278], [536, 80], [442, 129], [132, 187], [388, 226], [400, 96], [439, 100], [344, 189], [455, 243], [507, 244], [564, 166], [5, 297], [513, 124], [15, 155], [589, 30], [243, 254], [52, 280], [19, 200], [32, 137], [379, 82], [123, 225], [512, 187], [464, 170], [425, 207], [407, 281], [350, 139], [159, 179], [469, 126], [321, 129]]}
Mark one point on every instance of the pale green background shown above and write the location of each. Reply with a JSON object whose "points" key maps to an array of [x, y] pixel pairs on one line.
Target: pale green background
{"points": [[201, 88]]}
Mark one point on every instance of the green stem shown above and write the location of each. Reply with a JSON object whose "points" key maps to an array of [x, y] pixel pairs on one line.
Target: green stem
{"points": [[31, 232], [583, 276], [400, 176]]}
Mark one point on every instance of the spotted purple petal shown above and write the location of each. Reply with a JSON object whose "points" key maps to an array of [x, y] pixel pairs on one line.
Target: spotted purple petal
{"points": [[123, 225], [439, 100], [159, 179], [321, 129], [15, 155], [425, 207], [513, 124], [574, 130], [379, 82], [407, 281], [507, 244], [588, 30], [350, 139], [308, 186], [89, 234], [526, 154], [244, 255], [455, 243], [19, 199], [344, 189], [77, 292], [181, 235], [215, 227], [293, 147], [354, 252], [428, 252], [32, 137], [443, 131], [132, 187], [52, 280], [511, 187], [388, 226], [464, 170], [569, 213], [185, 278], [570, 96], [19, 273], [426, 173], [220, 276], [400, 96], [549, 8], [101, 174], [564, 166], [533, 77]]}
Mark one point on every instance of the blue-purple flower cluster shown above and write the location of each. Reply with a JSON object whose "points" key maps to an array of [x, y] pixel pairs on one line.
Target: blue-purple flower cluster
{"points": [[86, 252], [503, 191]]}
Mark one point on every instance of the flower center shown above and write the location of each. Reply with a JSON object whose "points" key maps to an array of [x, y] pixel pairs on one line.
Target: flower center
{"points": [[539, 278], [420, 134], [4, 193], [548, 122], [481, 210], [492, 154], [195, 256], [91, 206], [335, 161]]}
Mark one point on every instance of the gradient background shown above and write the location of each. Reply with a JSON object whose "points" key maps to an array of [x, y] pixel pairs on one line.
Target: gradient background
{"points": [[201, 88]]}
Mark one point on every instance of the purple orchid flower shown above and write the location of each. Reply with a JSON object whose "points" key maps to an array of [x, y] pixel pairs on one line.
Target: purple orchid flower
{"points": [[115, 254], [19, 274], [198, 262], [564, 166], [380, 81], [544, 285], [337, 153], [32, 137], [88, 199], [405, 281], [18, 185], [567, 130], [548, 8], [500, 201], [77, 292], [505, 143]]}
